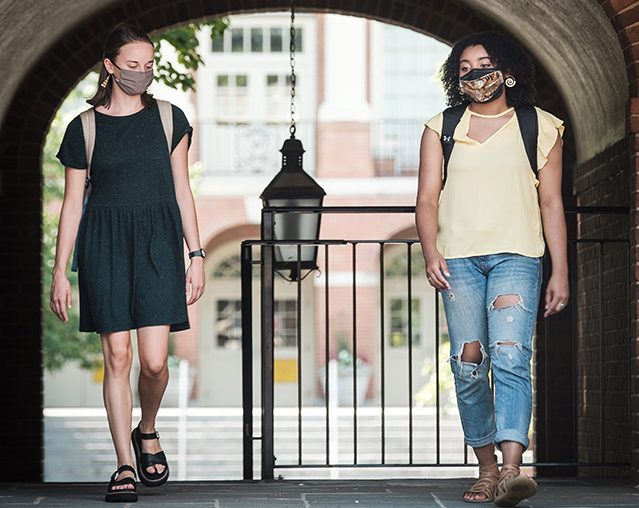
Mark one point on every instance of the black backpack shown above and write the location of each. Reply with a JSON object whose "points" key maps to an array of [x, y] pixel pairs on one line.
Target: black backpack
{"points": [[526, 116]]}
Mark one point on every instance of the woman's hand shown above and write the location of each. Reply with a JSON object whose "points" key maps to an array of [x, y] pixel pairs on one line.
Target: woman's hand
{"points": [[60, 298], [437, 270], [195, 279], [557, 294]]}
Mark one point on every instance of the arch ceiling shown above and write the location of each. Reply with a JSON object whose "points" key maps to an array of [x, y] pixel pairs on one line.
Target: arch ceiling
{"points": [[48, 44]]}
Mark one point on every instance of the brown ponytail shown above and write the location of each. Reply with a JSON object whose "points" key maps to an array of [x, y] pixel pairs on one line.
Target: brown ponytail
{"points": [[120, 35]]}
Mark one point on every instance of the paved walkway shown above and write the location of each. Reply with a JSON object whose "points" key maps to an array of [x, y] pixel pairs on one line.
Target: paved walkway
{"points": [[555, 493]]}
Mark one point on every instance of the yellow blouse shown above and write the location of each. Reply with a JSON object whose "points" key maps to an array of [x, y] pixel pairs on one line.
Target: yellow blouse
{"points": [[490, 203]]}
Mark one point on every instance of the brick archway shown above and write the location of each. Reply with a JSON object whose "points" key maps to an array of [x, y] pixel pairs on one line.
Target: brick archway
{"points": [[56, 53]]}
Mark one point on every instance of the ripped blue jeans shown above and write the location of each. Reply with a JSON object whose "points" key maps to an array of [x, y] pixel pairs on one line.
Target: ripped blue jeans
{"points": [[504, 330]]}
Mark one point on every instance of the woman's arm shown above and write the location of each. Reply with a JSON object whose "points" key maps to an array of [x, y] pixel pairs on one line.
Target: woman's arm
{"points": [[70, 215], [184, 196], [429, 187], [554, 225]]}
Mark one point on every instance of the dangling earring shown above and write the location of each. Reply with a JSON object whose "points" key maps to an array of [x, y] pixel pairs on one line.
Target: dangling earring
{"points": [[510, 81], [106, 81]]}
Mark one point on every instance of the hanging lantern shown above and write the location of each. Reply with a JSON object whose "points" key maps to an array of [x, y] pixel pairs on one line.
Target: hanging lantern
{"points": [[293, 187]]}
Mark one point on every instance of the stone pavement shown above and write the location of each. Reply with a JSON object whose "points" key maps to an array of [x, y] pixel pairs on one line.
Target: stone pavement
{"points": [[398, 493]]}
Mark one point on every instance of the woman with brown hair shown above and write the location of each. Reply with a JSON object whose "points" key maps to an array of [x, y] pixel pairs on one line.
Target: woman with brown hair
{"points": [[130, 250]]}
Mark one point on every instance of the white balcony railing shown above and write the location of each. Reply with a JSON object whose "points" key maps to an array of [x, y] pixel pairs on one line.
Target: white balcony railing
{"points": [[244, 149]]}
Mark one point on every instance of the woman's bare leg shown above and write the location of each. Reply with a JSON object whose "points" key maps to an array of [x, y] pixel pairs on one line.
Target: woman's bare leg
{"points": [[153, 344], [485, 456], [512, 452], [116, 391]]}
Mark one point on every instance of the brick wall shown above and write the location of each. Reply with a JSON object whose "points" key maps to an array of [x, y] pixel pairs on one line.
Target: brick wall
{"points": [[602, 300], [624, 16]]}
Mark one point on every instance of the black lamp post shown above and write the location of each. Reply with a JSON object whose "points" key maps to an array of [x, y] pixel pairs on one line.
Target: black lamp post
{"points": [[292, 187]]}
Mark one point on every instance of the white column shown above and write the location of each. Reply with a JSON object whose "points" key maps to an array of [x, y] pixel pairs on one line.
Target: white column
{"points": [[345, 70]]}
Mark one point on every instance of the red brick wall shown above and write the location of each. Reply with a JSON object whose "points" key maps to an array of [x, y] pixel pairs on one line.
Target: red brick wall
{"points": [[624, 15], [602, 294]]}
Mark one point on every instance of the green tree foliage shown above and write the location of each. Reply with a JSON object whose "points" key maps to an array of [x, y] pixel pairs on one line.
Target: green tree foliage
{"points": [[186, 45], [62, 341]]}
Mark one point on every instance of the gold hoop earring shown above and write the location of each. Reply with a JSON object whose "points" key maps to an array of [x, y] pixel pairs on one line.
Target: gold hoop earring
{"points": [[510, 81], [106, 81]]}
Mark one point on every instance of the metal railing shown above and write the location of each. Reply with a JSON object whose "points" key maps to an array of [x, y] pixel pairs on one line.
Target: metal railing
{"points": [[265, 261], [235, 148], [246, 148]]}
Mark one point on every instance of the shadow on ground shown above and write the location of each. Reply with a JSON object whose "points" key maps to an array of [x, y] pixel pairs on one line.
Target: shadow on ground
{"points": [[555, 493]]}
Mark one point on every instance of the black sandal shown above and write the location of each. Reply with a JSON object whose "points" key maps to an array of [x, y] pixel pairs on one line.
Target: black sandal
{"points": [[144, 460], [114, 495]]}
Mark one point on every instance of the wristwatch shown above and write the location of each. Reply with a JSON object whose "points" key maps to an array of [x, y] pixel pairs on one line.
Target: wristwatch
{"points": [[198, 252]]}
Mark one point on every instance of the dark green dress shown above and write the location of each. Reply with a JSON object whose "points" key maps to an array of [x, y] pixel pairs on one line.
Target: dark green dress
{"points": [[131, 269]]}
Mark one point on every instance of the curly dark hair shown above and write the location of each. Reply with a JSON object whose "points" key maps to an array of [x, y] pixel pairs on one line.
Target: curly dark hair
{"points": [[506, 54]]}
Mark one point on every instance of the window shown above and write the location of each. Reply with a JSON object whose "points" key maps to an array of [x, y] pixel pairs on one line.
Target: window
{"points": [[277, 42], [237, 40], [218, 43], [299, 47], [228, 323], [398, 329], [229, 268], [277, 96], [285, 323], [231, 97], [398, 267], [257, 40]]}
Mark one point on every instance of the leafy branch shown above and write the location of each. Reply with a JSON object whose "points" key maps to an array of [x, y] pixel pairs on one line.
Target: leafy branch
{"points": [[184, 42]]}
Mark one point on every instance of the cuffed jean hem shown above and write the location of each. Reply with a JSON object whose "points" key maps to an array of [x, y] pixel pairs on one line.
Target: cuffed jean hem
{"points": [[483, 441], [511, 435]]}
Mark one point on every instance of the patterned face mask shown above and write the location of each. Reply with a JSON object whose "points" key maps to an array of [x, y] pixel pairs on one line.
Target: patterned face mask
{"points": [[482, 85]]}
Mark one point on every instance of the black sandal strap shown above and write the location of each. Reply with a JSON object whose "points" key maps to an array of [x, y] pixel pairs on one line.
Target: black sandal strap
{"points": [[148, 435], [151, 459], [121, 469], [122, 481]]}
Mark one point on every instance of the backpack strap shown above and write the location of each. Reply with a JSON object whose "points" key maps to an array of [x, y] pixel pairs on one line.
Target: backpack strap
{"points": [[166, 115], [88, 131], [88, 128], [527, 118], [452, 116]]}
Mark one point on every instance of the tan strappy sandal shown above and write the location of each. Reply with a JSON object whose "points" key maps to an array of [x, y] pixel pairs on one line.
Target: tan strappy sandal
{"points": [[513, 486], [486, 485]]}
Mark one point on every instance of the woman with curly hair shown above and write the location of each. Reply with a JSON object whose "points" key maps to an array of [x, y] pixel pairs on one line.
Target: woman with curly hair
{"points": [[488, 202]]}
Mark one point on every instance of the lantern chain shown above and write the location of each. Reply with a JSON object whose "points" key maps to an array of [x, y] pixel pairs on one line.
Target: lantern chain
{"points": [[292, 128]]}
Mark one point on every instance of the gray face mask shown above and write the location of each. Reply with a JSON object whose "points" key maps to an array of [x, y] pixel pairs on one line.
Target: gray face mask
{"points": [[134, 82]]}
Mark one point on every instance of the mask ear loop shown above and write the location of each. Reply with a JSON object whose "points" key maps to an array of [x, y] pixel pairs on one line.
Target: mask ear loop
{"points": [[112, 75], [496, 75]]}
